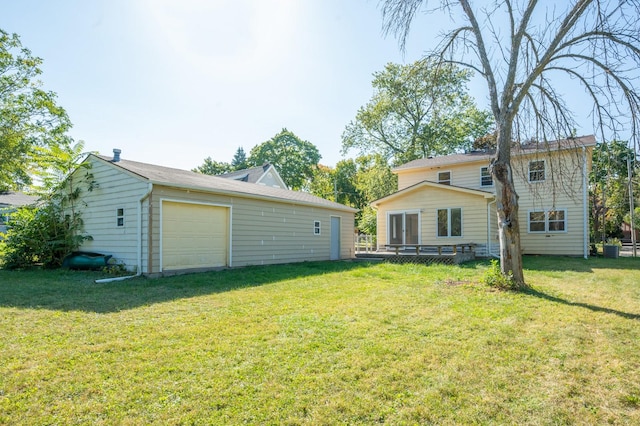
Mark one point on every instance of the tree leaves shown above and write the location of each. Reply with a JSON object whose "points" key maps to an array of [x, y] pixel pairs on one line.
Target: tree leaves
{"points": [[417, 110], [29, 116]]}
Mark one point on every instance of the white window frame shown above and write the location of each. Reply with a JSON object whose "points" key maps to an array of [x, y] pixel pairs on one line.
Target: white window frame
{"points": [[120, 217], [448, 209], [544, 171], [547, 213], [317, 227], [482, 177], [445, 181]]}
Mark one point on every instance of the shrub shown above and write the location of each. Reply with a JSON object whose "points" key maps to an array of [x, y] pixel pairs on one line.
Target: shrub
{"points": [[40, 235], [494, 277]]}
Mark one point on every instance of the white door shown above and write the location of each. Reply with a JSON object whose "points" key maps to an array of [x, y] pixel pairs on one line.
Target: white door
{"points": [[335, 238]]}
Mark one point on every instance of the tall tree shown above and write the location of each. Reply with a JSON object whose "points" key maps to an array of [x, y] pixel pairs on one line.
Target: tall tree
{"points": [[520, 48], [417, 110], [609, 190], [29, 116], [239, 161], [294, 158]]}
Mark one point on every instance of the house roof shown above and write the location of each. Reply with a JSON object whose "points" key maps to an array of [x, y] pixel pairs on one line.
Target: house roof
{"points": [[17, 199], [430, 184], [251, 175], [185, 179], [255, 174], [473, 156]]}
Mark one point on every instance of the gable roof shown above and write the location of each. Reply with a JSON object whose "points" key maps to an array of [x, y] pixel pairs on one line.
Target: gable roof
{"points": [[254, 174], [10, 198], [185, 179], [473, 156], [430, 184]]}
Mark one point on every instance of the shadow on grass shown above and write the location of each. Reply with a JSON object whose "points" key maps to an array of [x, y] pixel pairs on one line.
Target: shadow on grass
{"points": [[545, 296], [76, 291]]}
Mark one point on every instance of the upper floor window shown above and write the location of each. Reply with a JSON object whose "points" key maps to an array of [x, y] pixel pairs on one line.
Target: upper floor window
{"points": [[536, 171], [548, 221], [485, 177], [444, 178]]}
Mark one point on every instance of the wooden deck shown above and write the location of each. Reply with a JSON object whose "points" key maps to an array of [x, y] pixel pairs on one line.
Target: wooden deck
{"points": [[451, 254]]}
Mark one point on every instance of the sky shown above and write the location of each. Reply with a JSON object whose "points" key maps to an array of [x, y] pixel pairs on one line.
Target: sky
{"points": [[174, 82]]}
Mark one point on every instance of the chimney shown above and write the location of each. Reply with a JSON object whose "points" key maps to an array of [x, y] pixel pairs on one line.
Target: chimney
{"points": [[116, 155]]}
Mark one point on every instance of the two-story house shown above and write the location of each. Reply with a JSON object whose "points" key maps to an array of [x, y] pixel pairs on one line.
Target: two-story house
{"points": [[451, 200]]}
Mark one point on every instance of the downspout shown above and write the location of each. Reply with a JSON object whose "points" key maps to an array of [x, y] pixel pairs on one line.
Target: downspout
{"points": [[585, 219], [139, 266], [489, 251]]}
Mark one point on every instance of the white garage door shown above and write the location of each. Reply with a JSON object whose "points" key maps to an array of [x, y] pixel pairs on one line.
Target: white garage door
{"points": [[194, 236]]}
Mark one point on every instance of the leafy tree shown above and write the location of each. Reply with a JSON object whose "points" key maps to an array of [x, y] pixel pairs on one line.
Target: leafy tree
{"points": [[520, 48], [239, 161], [609, 191], [29, 116], [212, 167], [295, 159], [356, 183], [47, 232], [417, 110]]}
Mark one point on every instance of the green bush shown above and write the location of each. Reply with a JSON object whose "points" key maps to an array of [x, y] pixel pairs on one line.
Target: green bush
{"points": [[493, 277], [40, 235]]}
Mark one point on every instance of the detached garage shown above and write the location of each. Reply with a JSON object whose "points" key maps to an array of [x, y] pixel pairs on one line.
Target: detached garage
{"points": [[159, 220]]}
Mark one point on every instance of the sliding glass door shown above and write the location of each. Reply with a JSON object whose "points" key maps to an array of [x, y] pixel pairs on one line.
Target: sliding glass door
{"points": [[403, 228]]}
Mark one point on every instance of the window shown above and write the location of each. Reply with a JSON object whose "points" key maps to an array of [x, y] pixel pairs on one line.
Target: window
{"points": [[444, 178], [450, 222], [316, 227], [548, 221], [536, 171], [485, 177], [120, 217]]}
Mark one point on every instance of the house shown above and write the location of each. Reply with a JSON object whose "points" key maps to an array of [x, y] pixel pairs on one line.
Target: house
{"points": [[159, 220], [9, 201], [451, 200], [262, 175]]}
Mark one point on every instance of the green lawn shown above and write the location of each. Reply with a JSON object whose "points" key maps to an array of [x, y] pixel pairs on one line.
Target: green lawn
{"points": [[324, 343]]}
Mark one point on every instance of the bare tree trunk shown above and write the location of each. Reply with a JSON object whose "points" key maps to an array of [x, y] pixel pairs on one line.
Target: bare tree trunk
{"points": [[507, 208]]}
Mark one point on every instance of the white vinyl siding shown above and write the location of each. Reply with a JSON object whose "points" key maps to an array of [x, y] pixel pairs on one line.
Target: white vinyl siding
{"points": [[268, 232], [532, 197], [114, 190], [473, 209]]}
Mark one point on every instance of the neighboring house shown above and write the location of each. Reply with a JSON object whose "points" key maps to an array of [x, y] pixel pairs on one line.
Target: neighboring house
{"points": [[262, 175], [9, 201], [160, 220], [451, 200]]}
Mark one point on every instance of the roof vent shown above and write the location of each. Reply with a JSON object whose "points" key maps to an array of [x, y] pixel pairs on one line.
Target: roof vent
{"points": [[116, 155]]}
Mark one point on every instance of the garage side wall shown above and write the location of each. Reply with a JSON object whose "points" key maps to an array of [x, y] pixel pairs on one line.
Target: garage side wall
{"points": [[110, 212], [262, 231]]}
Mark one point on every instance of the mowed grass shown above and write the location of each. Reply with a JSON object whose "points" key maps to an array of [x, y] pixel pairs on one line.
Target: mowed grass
{"points": [[324, 343]]}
